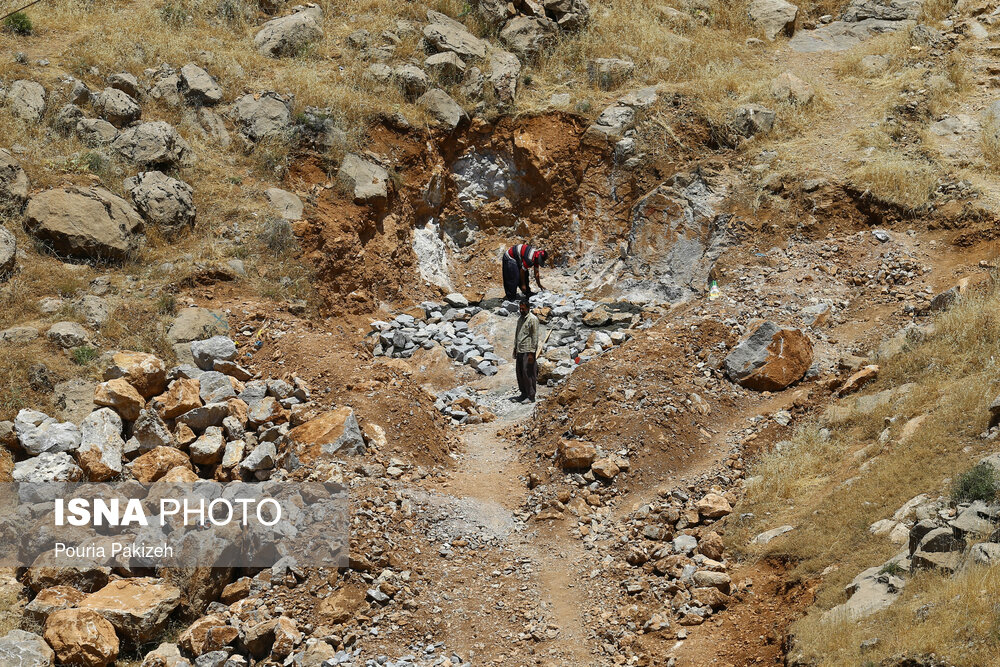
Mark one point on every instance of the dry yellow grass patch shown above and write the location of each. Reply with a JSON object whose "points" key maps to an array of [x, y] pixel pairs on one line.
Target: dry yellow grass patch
{"points": [[832, 488], [895, 46], [896, 179], [956, 618]]}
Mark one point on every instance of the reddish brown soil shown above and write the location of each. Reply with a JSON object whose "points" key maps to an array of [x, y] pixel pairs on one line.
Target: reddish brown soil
{"points": [[752, 631]]}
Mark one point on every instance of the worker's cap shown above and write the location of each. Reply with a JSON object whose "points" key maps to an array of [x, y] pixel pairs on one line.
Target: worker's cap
{"points": [[542, 256]]}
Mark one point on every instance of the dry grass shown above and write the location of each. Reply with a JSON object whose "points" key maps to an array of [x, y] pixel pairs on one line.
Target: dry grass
{"points": [[896, 179], [138, 326], [989, 140], [833, 489], [895, 46], [16, 392], [10, 609], [957, 618]]}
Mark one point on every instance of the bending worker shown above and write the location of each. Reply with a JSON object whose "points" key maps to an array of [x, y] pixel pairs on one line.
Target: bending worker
{"points": [[516, 262]]}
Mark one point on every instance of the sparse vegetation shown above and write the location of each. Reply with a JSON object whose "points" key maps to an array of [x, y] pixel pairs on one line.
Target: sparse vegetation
{"points": [[277, 236], [83, 355], [804, 485], [18, 23], [896, 179], [137, 326], [978, 483]]}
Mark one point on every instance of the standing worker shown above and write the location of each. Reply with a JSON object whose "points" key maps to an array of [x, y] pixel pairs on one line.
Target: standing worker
{"points": [[525, 347], [516, 262]]}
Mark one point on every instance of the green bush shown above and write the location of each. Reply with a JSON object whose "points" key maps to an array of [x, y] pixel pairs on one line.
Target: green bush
{"points": [[18, 23], [978, 483], [83, 355]]}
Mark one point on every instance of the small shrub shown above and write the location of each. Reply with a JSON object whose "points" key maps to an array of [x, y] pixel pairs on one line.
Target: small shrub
{"points": [[18, 23], [278, 237], [166, 304], [893, 569], [83, 355], [978, 483], [174, 14]]}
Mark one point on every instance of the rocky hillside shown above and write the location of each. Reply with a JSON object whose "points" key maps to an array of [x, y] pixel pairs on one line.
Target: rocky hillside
{"points": [[250, 242]]}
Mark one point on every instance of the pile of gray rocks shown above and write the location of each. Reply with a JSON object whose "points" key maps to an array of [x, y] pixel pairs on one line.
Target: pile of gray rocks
{"points": [[446, 325]]}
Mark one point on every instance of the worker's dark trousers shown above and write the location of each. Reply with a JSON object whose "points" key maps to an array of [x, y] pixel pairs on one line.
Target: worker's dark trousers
{"points": [[511, 277], [527, 374]]}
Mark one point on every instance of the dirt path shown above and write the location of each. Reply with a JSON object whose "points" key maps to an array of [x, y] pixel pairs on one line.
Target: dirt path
{"points": [[489, 470]]}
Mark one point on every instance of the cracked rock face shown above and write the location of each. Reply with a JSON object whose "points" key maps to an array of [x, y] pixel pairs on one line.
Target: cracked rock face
{"points": [[485, 177], [675, 236]]}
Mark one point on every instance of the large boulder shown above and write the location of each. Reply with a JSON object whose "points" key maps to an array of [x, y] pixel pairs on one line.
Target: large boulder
{"points": [[150, 431], [138, 608], [770, 359], [117, 107], [67, 335], [121, 396], [165, 655], [446, 66], [38, 433], [444, 34], [162, 201], [609, 73], [333, 432], [26, 100], [883, 10], [197, 324], [13, 183], [85, 223], [289, 35], [47, 467], [145, 372], [412, 80], [442, 108], [96, 131], [127, 83], [774, 17], [199, 87], [367, 181], [285, 203], [8, 253], [505, 73], [152, 144], [568, 14], [529, 36], [183, 396], [50, 600], [207, 352], [208, 633], [752, 119], [25, 649], [81, 637], [157, 462], [101, 445], [264, 116]]}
